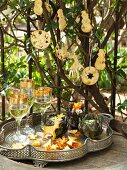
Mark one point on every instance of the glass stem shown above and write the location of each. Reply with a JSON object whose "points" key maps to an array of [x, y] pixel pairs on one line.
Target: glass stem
{"points": [[27, 118], [43, 117], [18, 121]]}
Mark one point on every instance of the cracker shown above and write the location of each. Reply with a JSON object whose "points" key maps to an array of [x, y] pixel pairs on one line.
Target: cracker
{"points": [[36, 143]]}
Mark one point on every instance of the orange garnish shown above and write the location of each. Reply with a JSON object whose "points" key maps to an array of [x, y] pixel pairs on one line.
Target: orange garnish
{"points": [[77, 105]]}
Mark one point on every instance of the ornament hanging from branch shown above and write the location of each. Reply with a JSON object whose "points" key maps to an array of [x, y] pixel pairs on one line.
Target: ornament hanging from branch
{"points": [[38, 10], [76, 66], [100, 61], [86, 23], [61, 53], [62, 20], [40, 39], [90, 75]]}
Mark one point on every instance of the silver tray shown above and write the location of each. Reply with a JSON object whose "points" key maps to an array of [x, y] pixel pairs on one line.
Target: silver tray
{"points": [[41, 157]]}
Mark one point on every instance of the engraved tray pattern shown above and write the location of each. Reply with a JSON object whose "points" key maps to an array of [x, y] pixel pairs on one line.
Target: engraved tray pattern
{"points": [[29, 152]]}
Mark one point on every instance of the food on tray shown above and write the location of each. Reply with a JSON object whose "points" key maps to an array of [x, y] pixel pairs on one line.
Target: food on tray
{"points": [[70, 140], [55, 126], [36, 143], [32, 137], [77, 134], [50, 130], [73, 131], [63, 143], [47, 145], [54, 136]]}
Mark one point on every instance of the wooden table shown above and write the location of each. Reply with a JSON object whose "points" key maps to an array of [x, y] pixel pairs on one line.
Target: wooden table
{"points": [[114, 158]]}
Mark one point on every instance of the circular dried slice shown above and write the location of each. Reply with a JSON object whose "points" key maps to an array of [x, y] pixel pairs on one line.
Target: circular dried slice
{"points": [[40, 39], [90, 75]]}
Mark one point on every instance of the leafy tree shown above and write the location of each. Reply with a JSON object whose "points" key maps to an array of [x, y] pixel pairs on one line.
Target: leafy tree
{"points": [[106, 17]]}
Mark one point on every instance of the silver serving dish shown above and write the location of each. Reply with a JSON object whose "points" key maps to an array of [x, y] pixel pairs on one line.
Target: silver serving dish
{"points": [[41, 157]]}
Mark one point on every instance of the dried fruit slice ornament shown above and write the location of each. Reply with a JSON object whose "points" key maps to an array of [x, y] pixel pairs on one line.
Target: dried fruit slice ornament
{"points": [[40, 39], [90, 75]]}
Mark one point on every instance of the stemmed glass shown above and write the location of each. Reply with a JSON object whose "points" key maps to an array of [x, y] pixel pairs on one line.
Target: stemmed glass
{"points": [[27, 86], [43, 99], [18, 107]]}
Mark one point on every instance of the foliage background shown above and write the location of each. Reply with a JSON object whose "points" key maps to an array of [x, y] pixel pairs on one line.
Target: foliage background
{"points": [[18, 21]]}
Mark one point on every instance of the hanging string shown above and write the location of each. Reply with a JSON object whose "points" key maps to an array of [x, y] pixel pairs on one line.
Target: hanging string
{"points": [[84, 3], [90, 55]]}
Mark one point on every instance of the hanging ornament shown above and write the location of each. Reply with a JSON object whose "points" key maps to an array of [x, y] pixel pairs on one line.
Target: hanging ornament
{"points": [[40, 39], [61, 53], [89, 75], [38, 10], [76, 66], [86, 23], [100, 61], [101, 53], [62, 20]]}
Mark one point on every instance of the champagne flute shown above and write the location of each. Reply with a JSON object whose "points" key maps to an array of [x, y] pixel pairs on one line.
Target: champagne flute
{"points": [[18, 107], [43, 98], [27, 86]]}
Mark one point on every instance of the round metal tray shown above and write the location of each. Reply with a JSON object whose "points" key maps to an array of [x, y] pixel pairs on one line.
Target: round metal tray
{"points": [[40, 157]]}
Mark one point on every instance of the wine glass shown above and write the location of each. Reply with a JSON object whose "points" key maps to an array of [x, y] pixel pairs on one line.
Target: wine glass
{"points": [[43, 99], [27, 86], [18, 107]]}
